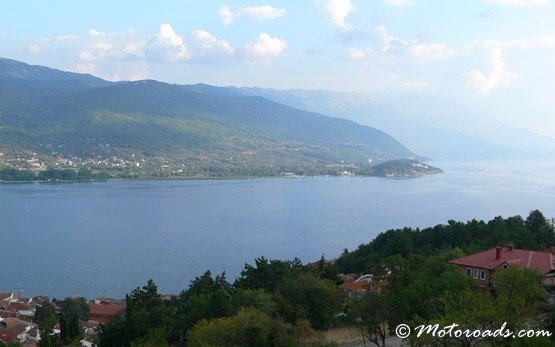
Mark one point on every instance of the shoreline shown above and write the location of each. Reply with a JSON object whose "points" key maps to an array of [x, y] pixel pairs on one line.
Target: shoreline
{"points": [[227, 178]]}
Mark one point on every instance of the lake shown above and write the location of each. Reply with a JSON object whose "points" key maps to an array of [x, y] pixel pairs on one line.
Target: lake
{"points": [[106, 238]]}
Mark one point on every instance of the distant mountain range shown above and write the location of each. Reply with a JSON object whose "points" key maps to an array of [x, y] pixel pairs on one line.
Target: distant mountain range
{"points": [[56, 113], [428, 124]]}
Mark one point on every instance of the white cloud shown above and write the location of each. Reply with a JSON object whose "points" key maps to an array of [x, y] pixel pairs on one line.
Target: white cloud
{"points": [[206, 45], [94, 32], [167, 46], [353, 53], [430, 51], [2, 32], [396, 47], [498, 76], [226, 14], [337, 11], [391, 45], [34, 48], [520, 3], [265, 48], [127, 55], [264, 12]]}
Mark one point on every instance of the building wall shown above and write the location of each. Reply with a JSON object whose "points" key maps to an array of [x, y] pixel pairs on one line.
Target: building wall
{"points": [[476, 276]]}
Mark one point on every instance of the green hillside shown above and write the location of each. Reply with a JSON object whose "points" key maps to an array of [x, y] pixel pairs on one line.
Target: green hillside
{"points": [[152, 125]]}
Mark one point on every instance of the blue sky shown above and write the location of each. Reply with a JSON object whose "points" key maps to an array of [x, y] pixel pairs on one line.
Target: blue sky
{"points": [[495, 55]]}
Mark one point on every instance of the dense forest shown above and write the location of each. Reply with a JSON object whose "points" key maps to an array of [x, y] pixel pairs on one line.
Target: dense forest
{"points": [[534, 233], [15, 175], [288, 303]]}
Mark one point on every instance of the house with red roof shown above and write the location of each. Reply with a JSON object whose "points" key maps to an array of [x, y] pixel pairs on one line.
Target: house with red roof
{"points": [[482, 266], [362, 285], [103, 313]]}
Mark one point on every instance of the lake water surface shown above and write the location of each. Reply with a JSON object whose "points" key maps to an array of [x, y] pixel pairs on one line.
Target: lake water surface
{"points": [[106, 238]]}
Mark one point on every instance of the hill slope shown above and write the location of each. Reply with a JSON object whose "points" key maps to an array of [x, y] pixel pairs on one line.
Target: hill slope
{"points": [[72, 115]]}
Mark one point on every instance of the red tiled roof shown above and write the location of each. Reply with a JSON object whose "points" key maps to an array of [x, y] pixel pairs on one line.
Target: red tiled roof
{"points": [[542, 261], [7, 335], [348, 278], [18, 306], [355, 286], [105, 310]]}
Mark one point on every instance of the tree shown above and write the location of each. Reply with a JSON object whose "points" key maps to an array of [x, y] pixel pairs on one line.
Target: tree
{"points": [[145, 312], [369, 314], [470, 309], [206, 284], [518, 291], [148, 320], [44, 311], [72, 310], [249, 327], [46, 326], [113, 334], [257, 298], [308, 296], [541, 228], [268, 274], [207, 297]]}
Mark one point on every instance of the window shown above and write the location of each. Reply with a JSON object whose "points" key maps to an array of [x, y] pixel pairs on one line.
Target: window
{"points": [[505, 266], [475, 273], [468, 272], [482, 275]]}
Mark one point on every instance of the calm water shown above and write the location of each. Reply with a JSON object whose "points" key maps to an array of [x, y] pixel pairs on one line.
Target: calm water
{"points": [[107, 238]]}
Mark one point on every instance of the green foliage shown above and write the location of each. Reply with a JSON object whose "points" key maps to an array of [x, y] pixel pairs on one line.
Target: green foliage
{"points": [[146, 312], [114, 334], [72, 310], [15, 175], [44, 311], [249, 327], [370, 315], [147, 320], [533, 233], [518, 293], [257, 298], [213, 132], [10, 344], [310, 297], [206, 298], [157, 337], [298, 292], [415, 285], [512, 306], [46, 327], [268, 274]]}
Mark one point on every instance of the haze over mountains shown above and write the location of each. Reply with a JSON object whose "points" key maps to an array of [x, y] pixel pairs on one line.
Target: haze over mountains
{"points": [[52, 111], [428, 124]]}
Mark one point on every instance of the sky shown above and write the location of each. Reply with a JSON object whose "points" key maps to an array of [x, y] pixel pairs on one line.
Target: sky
{"points": [[498, 56]]}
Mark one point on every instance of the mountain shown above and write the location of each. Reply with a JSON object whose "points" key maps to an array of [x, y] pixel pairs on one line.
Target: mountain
{"points": [[429, 124], [63, 114]]}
